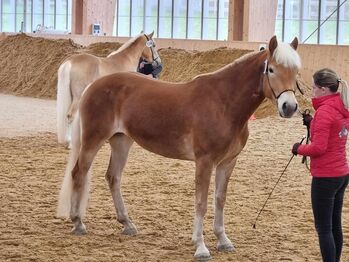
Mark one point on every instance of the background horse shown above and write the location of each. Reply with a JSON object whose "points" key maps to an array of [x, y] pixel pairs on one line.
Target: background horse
{"points": [[79, 70], [203, 120]]}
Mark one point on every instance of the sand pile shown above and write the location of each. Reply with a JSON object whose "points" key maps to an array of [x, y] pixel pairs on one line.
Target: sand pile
{"points": [[29, 65], [181, 65]]}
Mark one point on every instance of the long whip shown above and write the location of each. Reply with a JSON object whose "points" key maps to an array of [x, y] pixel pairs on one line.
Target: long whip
{"points": [[254, 225]]}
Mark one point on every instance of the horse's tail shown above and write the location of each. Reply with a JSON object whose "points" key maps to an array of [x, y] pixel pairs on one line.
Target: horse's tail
{"points": [[64, 101], [64, 201]]}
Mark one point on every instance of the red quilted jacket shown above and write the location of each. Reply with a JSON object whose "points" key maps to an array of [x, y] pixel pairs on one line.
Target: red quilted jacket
{"points": [[328, 136]]}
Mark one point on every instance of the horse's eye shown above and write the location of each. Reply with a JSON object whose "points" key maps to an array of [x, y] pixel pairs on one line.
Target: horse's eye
{"points": [[271, 70]]}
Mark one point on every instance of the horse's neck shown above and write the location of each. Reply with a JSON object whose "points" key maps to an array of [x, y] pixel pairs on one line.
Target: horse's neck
{"points": [[132, 52], [242, 84]]}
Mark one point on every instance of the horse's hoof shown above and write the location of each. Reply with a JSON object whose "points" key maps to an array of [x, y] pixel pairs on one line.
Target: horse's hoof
{"points": [[80, 230], [203, 257], [129, 231], [226, 248]]}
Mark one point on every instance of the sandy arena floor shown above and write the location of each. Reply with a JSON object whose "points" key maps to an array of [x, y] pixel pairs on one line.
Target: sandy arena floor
{"points": [[159, 196]]}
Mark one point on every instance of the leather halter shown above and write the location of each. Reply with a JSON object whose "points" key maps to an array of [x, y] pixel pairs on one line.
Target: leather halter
{"points": [[266, 73]]}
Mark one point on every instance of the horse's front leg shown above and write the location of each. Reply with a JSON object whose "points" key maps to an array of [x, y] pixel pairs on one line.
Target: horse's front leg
{"points": [[223, 173], [202, 181]]}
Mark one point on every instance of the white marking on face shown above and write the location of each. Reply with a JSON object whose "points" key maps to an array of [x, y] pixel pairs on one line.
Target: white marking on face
{"points": [[287, 104]]}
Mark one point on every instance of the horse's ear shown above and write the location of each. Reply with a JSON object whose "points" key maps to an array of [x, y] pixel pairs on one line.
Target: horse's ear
{"points": [[273, 43], [151, 35], [294, 43]]}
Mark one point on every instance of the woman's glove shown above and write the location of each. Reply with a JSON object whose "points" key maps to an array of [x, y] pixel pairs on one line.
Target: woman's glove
{"points": [[307, 118], [295, 148]]}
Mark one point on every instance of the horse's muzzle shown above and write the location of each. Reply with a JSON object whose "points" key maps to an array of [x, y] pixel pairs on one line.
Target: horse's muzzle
{"points": [[288, 109], [287, 104]]}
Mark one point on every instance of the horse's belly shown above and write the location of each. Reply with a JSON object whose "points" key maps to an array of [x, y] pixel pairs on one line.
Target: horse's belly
{"points": [[167, 146]]}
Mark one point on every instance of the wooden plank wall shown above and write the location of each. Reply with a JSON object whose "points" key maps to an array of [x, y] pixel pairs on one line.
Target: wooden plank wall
{"points": [[259, 17], [315, 57]]}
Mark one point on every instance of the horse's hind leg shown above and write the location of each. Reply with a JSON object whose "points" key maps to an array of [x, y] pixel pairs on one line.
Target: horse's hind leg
{"points": [[120, 145], [80, 190], [223, 173]]}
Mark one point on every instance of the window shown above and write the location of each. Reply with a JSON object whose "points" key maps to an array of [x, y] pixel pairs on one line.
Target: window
{"points": [[223, 13], [124, 18], [209, 20], [49, 13], [8, 16], [194, 19], [165, 19], [343, 26], [313, 21], [38, 13], [179, 19], [328, 29], [19, 26], [61, 15], [191, 19], [137, 22], [28, 26], [309, 24], [151, 16]]}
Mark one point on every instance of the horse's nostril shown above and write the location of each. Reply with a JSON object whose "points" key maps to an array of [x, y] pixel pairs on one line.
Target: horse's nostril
{"points": [[296, 108], [284, 107]]}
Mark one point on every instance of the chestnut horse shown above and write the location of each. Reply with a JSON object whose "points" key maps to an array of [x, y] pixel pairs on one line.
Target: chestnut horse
{"points": [[203, 120], [79, 70]]}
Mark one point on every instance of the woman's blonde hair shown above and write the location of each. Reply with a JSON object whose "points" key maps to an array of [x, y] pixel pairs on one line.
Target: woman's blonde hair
{"points": [[328, 78]]}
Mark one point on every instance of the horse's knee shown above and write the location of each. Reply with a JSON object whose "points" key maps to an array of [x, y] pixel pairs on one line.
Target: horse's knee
{"points": [[201, 207], [220, 200]]}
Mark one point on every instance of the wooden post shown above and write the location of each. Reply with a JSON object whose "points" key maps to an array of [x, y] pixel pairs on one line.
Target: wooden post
{"points": [[251, 20], [88, 12]]}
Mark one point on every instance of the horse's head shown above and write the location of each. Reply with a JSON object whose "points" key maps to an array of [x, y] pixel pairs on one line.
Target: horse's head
{"points": [[149, 52], [280, 70]]}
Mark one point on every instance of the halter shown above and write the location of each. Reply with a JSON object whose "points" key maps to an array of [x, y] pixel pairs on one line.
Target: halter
{"points": [[151, 45], [266, 73]]}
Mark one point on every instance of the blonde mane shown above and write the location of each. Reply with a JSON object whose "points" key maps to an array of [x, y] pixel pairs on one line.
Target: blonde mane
{"points": [[286, 55]]}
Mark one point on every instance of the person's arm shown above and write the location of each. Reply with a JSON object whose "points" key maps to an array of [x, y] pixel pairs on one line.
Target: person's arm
{"points": [[321, 132]]}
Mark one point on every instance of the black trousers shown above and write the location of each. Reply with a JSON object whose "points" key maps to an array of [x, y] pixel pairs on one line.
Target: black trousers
{"points": [[327, 201]]}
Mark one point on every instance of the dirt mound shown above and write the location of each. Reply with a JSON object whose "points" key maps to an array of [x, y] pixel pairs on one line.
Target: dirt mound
{"points": [[181, 65], [102, 49], [29, 65]]}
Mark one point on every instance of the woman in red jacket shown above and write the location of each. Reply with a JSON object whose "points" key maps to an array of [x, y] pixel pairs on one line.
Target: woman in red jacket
{"points": [[328, 166]]}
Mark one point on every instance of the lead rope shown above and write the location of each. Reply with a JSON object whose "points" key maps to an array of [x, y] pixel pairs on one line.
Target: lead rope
{"points": [[282, 173]]}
